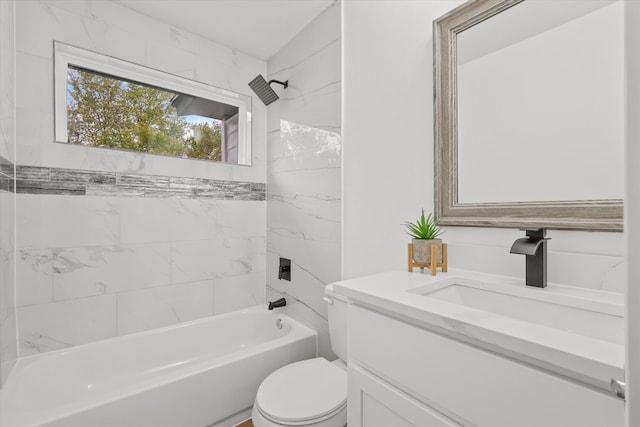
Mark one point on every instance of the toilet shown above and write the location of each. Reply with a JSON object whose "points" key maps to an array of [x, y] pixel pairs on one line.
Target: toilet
{"points": [[311, 393]]}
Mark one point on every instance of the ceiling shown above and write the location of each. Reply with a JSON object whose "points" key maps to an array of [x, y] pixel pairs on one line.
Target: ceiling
{"points": [[257, 27]]}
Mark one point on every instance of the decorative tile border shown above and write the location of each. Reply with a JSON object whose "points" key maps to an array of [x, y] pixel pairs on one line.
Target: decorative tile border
{"points": [[43, 180], [6, 175]]}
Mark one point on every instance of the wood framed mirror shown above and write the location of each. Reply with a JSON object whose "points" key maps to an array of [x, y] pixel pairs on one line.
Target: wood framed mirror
{"points": [[529, 127]]}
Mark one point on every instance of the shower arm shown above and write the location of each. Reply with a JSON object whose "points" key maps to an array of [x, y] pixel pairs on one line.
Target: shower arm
{"points": [[285, 84]]}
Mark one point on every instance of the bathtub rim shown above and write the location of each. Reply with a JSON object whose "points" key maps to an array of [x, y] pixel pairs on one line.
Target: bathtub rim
{"points": [[48, 415], [153, 331]]}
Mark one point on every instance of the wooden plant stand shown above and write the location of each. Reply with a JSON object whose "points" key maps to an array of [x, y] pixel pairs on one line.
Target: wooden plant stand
{"points": [[434, 260]]}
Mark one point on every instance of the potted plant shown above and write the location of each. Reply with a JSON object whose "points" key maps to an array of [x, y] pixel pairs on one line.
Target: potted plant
{"points": [[425, 232]]}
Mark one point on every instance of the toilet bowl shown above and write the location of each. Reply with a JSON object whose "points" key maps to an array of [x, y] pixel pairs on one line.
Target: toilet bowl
{"points": [[310, 393]]}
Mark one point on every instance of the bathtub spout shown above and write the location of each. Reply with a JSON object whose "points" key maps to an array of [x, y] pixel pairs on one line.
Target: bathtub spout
{"points": [[277, 303]]}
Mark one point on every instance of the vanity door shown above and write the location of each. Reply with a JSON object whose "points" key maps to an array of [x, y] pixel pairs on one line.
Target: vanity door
{"points": [[374, 403]]}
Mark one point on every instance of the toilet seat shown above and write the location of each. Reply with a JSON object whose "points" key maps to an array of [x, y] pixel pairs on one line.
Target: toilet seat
{"points": [[303, 393]]}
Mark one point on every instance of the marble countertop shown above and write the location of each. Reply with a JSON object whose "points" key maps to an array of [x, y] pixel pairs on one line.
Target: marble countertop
{"points": [[583, 358]]}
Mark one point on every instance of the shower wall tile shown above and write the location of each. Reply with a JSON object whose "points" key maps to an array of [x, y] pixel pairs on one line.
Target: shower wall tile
{"points": [[304, 172], [213, 259], [253, 219], [64, 324], [236, 293], [153, 260], [9, 349], [8, 325], [39, 97], [162, 259], [113, 242], [66, 221], [311, 41], [309, 148], [108, 29], [115, 30], [59, 23], [35, 270], [7, 80], [311, 100], [188, 219], [312, 268], [162, 306], [171, 59], [35, 126], [299, 310], [295, 212], [98, 270], [8, 340]]}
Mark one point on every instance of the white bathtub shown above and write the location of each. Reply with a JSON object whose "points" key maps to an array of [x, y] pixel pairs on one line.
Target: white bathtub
{"points": [[201, 373]]}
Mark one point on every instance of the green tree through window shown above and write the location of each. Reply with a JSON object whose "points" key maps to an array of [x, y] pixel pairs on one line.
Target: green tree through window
{"points": [[104, 111]]}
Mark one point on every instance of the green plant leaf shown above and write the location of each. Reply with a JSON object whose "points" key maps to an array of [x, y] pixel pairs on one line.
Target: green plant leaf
{"points": [[426, 227]]}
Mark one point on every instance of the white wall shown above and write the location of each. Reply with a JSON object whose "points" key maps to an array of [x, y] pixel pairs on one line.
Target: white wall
{"points": [[388, 158], [387, 128], [303, 171], [93, 267], [8, 347]]}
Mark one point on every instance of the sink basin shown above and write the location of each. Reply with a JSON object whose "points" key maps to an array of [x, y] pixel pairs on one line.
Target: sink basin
{"points": [[534, 306]]}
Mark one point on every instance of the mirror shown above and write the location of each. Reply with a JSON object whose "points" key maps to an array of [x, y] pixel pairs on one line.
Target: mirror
{"points": [[529, 114]]}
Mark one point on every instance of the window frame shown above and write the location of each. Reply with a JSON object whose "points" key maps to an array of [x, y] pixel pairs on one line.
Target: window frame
{"points": [[65, 55]]}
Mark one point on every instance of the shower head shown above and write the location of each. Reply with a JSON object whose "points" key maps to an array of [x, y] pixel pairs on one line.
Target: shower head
{"points": [[263, 89]]}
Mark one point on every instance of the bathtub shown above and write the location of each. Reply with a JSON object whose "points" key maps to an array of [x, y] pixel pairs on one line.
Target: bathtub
{"points": [[201, 373]]}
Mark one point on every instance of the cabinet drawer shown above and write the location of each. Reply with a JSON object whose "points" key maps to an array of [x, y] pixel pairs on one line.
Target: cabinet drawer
{"points": [[374, 403], [478, 386]]}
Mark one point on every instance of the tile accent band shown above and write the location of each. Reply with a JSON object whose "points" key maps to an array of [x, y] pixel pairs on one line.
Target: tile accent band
{"points": [[6, 175], [60, 181]]}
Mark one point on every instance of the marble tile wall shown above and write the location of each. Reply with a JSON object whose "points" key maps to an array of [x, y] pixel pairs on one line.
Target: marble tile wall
{"points": [[303, 171], [111, 28], [8, 331], [111, 242], [594, 260], [96, 267], [8, 328]]}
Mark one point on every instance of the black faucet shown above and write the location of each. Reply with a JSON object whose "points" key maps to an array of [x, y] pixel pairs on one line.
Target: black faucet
{"points": [[277, 303], [534, 247]]}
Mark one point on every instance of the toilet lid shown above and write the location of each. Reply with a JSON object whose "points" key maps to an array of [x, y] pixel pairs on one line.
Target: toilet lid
{"points": [[302, 391]]}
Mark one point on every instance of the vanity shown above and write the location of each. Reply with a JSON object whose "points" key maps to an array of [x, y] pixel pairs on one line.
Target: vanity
{"points": [[471, 349]]}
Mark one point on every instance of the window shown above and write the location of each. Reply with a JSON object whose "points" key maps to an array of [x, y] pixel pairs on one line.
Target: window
{"points": [[105, 102]]}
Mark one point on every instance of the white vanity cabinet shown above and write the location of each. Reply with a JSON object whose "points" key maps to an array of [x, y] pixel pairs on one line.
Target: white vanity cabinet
{"points": [[375, 403], [406, 375]]}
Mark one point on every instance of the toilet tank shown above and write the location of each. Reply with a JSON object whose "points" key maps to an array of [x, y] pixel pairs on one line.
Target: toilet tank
{"points": [[337, 314]]}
